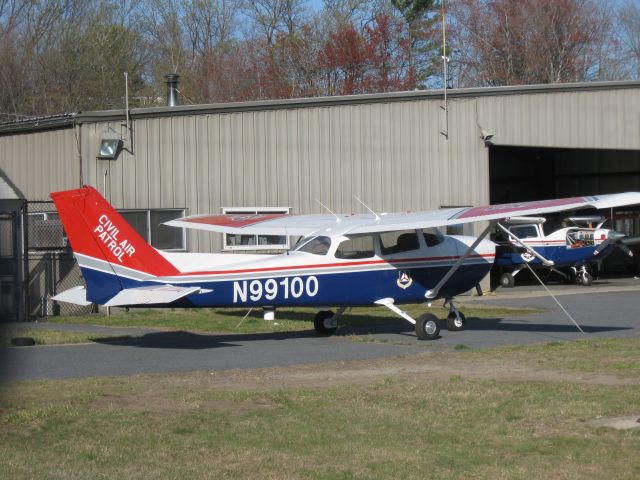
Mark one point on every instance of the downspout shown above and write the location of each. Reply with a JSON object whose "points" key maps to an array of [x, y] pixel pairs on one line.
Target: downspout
{"points": [[77, 127]]}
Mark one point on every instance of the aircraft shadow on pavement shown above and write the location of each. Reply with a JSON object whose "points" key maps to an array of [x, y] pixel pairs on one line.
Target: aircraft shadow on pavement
{"points": [[483, 324], [499, 324], [196, 341]]}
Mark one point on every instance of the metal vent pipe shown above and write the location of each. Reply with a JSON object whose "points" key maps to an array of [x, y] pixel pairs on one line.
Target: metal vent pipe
{"points": [[172, 89]]}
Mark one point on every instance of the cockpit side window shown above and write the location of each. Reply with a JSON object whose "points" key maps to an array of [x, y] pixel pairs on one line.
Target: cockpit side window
{"points": [[432, 237], [525, 231], [356, 246], [398, 242], [316, 246]]}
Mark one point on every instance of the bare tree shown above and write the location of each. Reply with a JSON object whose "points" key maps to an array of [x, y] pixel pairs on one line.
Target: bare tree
{"points": [[349, 12], [210, 23], [629, 21], [273, 17], [506, 42]]}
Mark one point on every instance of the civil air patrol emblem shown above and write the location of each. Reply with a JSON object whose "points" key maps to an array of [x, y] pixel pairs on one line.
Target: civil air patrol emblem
{"points": [[527, 257], [404, 279]]}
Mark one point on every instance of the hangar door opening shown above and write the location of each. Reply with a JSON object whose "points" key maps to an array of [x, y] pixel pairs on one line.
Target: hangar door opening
{"points": [[519, 174]]}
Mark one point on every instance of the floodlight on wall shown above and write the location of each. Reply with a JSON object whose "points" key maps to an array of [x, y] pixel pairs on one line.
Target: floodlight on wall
{"points": [[486, 136], [110, 148]]}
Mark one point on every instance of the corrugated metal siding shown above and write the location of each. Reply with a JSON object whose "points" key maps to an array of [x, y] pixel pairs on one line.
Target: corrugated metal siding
{"points": [[593, 119], [40, 163], [390, 154]]}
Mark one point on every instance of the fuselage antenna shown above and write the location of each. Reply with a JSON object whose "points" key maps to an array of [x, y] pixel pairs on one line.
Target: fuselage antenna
{"points": [[365, 206], [338, 220]]}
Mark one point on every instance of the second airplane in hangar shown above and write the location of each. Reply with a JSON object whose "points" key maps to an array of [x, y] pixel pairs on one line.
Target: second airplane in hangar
{"points": [[568, 250]]}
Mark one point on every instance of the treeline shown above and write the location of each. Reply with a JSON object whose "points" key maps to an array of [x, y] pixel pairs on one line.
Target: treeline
{"points": [[70, 55]]}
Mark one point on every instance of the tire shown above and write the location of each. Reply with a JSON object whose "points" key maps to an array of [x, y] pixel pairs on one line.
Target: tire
{"points": [[586, 279], [427, 327], [507, 280], [455, 324], [570, 279], [322, 326]]}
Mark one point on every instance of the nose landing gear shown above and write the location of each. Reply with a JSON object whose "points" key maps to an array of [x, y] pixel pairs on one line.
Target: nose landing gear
{"points": [[456, 321]]}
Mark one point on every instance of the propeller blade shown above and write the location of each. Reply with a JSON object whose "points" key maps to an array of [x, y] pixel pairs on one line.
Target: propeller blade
{"points": [[612, 237], [602, 246], [625, 249]]}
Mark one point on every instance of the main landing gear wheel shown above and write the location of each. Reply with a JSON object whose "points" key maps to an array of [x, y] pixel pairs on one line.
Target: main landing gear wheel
{"points": [[456, 323], [586, 279], [427, 327], [324, 323], [507, 280]]}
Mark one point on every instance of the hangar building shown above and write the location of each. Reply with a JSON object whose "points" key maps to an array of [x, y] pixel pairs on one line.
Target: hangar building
{"points": [[396, 151]]}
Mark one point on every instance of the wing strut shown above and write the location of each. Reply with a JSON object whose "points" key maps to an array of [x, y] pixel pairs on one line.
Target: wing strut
{"points": [[520, 243], [389, 303], [433, 293]]}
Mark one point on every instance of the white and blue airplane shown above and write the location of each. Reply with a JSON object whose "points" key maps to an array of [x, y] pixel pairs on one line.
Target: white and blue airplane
{"points": [[341, 260], [527, 242]]}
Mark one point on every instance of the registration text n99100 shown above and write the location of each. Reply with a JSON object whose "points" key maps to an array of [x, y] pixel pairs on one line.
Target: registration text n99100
{"points": [[271, 289]]}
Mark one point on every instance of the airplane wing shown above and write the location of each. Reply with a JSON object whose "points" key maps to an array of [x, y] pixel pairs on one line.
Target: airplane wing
{"points": [[253, 224], [308, 224]]}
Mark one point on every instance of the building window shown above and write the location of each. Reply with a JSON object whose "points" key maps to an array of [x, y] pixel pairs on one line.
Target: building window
{"points": [[255, 242], [45, 231], [148, 224]]}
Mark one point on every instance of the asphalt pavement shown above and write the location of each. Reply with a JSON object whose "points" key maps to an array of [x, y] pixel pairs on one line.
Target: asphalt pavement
{"points": [[607, 309]]}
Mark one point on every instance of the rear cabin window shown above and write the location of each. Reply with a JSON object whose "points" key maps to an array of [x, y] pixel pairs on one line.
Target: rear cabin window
{"points": [[432, 237], [317, 246], [398, 242], [526, 231], [360, 246]]}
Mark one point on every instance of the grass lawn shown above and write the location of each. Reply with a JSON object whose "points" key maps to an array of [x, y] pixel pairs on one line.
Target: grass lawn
{"points": [[287, 319], [469, 415], [43, 336]]}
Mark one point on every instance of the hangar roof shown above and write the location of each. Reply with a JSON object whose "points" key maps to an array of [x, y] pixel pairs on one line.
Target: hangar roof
{"points": [[67, 120]]}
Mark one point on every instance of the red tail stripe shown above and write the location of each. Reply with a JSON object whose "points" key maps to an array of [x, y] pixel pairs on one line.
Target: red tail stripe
{"points": [[96, 230]]}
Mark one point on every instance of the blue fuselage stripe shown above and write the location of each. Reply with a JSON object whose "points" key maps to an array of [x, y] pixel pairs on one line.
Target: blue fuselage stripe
{"points": [[341, 289]]}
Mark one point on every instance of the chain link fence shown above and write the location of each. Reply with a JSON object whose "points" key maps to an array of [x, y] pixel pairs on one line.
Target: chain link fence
{"points": [[52, 267]]}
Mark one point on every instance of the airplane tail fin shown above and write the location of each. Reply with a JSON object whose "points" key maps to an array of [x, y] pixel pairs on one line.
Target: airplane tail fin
{"points": [[110, 252]]}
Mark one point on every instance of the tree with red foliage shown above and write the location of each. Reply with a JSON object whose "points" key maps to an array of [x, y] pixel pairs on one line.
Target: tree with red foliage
{"points": [[344, 58], [376, 60], [389, 52]]}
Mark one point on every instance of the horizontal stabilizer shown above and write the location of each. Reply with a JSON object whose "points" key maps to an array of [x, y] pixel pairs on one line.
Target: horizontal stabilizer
{"points": [[77, 295], [150, 295]]}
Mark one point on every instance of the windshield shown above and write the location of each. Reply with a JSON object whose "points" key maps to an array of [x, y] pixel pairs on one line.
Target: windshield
{"points": [[315, 245]]}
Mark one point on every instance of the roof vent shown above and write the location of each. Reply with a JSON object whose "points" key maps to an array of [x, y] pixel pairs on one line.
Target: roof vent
{"points": [[172, 89]]}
